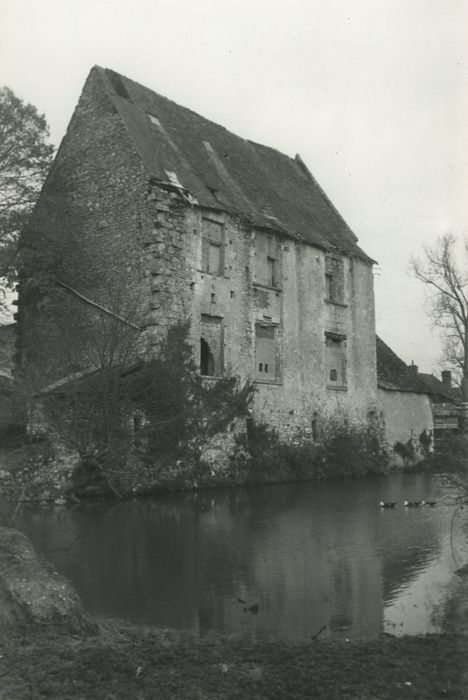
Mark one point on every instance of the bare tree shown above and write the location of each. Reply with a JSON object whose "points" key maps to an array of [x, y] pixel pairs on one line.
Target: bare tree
{"points": [[444, 270]]}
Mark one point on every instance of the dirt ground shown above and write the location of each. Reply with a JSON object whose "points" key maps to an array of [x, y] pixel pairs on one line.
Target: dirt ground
{"points": [[126, 661]]}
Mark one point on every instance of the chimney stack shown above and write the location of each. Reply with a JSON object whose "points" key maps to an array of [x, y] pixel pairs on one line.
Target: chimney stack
{"points": [[447, 378], [413, 367]]}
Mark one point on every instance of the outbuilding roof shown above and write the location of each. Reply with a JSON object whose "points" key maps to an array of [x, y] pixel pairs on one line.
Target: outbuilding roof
{"points": [[220, 170], [393, 374], [437, 388]]}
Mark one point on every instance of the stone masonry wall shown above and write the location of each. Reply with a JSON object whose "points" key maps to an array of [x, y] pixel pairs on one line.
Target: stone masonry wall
{"points": [[306, 317], [295, 307], [87, 228], [103, 229]]}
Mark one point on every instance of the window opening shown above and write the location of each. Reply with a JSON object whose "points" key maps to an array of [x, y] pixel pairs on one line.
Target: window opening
{"points": [[266, 352], [336, 360], [267, 252], [207, 362], [271, 265], [211, 346], [212, 247], [334, 279], [214, 258]]}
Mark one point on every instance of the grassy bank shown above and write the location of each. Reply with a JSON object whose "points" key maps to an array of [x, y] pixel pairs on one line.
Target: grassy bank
{"points": [[42, 471], [126, 661]]}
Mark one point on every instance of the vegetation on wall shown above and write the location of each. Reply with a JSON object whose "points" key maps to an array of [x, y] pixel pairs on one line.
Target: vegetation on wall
{"points": [[140, 426], [342, 449], [159, 414]]}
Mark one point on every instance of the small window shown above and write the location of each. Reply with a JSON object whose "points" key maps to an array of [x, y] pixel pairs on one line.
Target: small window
{"points": [[334, 279], [214, 258], [266, 352], [336, 360], [212, 247], [267, 259], [271, 266]]}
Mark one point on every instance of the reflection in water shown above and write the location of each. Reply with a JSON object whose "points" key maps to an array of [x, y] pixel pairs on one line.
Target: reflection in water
{"points": [[303, 555]]}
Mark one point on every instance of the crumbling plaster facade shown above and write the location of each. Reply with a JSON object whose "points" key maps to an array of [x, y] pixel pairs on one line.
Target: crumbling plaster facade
{"points": [[296, 308], [121, 231]]}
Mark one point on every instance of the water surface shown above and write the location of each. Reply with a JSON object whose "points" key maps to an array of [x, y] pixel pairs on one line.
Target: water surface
{"points": [[307, 554]]}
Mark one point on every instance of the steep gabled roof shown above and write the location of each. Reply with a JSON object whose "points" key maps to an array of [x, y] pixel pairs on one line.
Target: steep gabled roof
{"points": [[393, 374], [226, 172]]}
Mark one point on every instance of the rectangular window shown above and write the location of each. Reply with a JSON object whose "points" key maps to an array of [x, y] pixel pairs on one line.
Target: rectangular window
{"points": [[211, 346], [334, 279], [212, 247], [267, 252], [336, 360], [214, 258], [328, 285], [271, 265], [266, 352]]}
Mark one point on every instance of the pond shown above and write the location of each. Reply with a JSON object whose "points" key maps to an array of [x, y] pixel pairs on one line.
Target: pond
{"points": [[299, 556]]}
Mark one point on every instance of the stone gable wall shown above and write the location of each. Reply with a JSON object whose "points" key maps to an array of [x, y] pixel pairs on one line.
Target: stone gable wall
{"points": [[86, 229]]}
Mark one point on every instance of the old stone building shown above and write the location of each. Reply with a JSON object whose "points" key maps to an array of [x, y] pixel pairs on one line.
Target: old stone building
{"points": [[155, 214], [402, 398]]}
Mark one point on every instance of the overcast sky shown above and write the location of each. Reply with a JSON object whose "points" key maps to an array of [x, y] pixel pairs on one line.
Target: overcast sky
{"points": [[371, 93]]}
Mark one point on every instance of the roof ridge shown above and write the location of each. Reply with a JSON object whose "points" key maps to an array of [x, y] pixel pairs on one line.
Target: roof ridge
{"points": [[391, 369]]}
